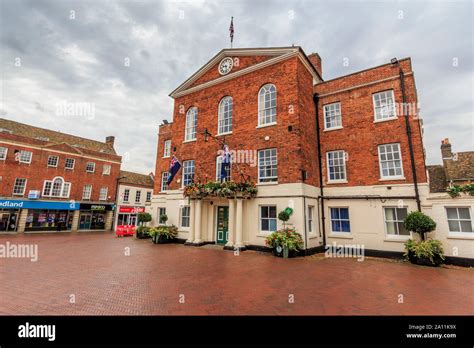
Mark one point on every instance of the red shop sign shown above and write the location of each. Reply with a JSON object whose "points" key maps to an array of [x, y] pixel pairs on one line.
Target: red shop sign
{"points": [[133, 210]]}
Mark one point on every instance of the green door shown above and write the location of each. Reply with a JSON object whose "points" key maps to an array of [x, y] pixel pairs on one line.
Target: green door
{"points": [[222, 225]]}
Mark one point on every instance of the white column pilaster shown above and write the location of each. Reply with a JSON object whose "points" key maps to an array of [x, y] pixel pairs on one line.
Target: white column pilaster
{"points": [[238, 224], [190, 239], [230, 241], [197, 222], [210, 223]]}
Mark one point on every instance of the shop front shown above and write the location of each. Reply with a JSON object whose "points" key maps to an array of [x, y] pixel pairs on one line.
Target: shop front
{"points": [[40, 216], [127, 215], [93, 216]]}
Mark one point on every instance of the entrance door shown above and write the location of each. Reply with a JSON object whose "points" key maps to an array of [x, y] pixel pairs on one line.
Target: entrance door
{"points": [[222, 225], [85, 221], [132, 220], [4, 219]]}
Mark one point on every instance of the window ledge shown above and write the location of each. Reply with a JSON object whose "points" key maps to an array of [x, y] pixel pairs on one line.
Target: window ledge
{"points": [[466, 236], [189, 141], [341, 235], [393, 178], [267, 183], [332, 129], [396, 239], [337, 182], [386, 119], [222, 134], [266, 125], [166, 157], [263, 234]]}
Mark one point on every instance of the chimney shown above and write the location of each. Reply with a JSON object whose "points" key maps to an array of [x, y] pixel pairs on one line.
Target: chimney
{"points": [[446, 149], [315, 59], [110, 140]]}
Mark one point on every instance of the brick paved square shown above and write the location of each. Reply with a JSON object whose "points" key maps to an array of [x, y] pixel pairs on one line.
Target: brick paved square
{"points": [[154, 278]]}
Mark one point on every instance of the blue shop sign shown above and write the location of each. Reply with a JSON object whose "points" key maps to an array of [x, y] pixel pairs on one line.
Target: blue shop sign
{"points": [[27, 204]]}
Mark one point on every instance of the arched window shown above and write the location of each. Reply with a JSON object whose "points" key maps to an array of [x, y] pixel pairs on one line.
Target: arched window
{"points": [[56, 188], [267, 105], [191, 124], [225, 116]]}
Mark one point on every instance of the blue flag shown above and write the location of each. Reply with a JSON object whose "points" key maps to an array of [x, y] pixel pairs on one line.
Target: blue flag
{"points": [[225, 163], [174, 168]]}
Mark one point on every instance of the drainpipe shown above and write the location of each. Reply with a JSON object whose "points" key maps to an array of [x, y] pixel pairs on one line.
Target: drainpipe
{"points": [[408, 131], [320, 166]]}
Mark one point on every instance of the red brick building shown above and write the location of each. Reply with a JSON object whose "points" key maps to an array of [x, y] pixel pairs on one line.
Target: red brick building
{"points": [[53, 181], [345, 154]]}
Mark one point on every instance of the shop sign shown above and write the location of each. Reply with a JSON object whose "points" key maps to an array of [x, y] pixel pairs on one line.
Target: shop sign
{"points": [[28, 204], [132, 210]]}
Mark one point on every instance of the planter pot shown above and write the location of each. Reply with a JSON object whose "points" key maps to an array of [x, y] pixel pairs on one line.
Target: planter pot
{"points": [[437, 260], [142, 235], [279, 251], [162, 239]]}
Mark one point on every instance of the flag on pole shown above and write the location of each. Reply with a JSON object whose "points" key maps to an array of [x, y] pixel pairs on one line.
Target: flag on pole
{"points": [[174, 167], [225, 163], [231, 31]]}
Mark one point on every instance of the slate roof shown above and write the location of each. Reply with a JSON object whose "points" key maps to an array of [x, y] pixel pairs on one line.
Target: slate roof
{"points": [[49, 137]]}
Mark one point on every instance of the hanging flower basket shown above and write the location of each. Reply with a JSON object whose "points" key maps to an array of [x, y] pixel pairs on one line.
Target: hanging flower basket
{"points": [[227, 189]]}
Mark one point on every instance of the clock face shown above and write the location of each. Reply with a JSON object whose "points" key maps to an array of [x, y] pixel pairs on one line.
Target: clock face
{"points": [[225, 66]]}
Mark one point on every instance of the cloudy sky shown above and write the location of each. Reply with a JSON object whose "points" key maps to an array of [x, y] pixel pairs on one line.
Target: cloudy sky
{"points": [[123, 58]]}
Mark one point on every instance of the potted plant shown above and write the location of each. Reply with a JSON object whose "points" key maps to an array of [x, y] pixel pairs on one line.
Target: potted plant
{"points": [[163, 218], [142, 232], [163, 234], [424, 252], [143, 217], [285, 242]]}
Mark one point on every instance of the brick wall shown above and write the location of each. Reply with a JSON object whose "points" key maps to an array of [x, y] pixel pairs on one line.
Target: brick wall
{"points": [[38, 171]]}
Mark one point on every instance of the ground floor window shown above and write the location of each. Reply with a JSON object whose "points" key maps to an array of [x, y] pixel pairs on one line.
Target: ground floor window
{"points": [[185, 215], [127, 219], [48, 220], [8, 220], [459, 219], [161, 212], [310, 218], [91, 220], [268, 218], [340, 220], [394, 218]]}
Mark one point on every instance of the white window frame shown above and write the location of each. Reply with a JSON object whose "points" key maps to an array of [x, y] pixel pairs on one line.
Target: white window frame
{"points": [[164, 180], [186, 168], [376, 107], [191, 124], [63, 190], [225, 115], [126, 194], [84, 191], [87, 166], [397, 235], [148, 196], [103, 193], [167, 149], [218, 169], [15, 186], [50, 157], [69, 160], [260, 218], [344, 171], [106, 169], [332, 111], [138, 196], [267, 92], [461, 233], [392, 177], [181, 216], [349, 219], [21, 157], [268, 163], [3, 153], [310, 218]]}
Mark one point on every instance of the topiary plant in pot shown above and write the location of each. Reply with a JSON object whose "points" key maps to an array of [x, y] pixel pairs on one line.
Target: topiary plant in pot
{"points": [[425, 252]]}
